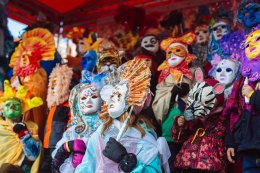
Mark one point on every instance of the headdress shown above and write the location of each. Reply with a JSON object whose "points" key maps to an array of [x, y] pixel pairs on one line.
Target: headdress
{"points": [[216, 59], [136, 75], [77, 117], [182, 68], [251, 67], [36, 45], [243, 7], [76, 33], [22, 94], [61, 75]]}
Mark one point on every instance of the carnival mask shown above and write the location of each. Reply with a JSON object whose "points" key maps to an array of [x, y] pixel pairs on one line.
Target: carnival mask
{"points": [[202, 35], [150, 43], [116, 99], [107, 64], [175, 54], [24, 61], [82, 46], [12, 108], [201, 98], [89, 100], [252, 45], [249, 15], [226, 72], [220, 29]]}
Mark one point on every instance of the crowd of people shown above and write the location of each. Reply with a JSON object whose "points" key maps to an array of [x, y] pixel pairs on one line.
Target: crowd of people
{"points": [[167, 102]]}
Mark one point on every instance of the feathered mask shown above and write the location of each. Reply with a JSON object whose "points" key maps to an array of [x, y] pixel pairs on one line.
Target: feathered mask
{"points": [[22, 94], [36, 45], [59, 84]]}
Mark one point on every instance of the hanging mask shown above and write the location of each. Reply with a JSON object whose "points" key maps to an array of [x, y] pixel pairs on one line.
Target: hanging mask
{"points": [[89, 100], [252, 45], [12, 108], [150, 43], [175, 54], [220, 29], [117, 102], [202, 34], [249, 14], [226, 72]]}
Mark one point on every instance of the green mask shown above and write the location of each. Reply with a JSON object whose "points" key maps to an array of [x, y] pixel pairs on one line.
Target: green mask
{"points": [[12, 108]]}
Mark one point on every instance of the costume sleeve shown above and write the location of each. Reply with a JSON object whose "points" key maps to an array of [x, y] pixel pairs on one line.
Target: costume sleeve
{"points": [[229, 139], [31, 147], [88, 163], [255, 101], [153, 167]]}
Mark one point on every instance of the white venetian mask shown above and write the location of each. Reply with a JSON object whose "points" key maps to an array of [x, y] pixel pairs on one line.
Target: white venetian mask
{"points": [[89, 101], [150, 43], [220, 29], [226, 72], [115, 97]]}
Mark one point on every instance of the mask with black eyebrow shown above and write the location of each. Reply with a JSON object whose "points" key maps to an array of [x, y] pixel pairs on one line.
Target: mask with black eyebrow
{"points": [[150, 43]]}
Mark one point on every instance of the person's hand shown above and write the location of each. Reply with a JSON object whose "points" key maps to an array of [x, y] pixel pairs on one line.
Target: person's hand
{"points": [[246, 90], [20, 129], [181, 121], [78, 149], [231, 154], [114, 150], [117, 152]]}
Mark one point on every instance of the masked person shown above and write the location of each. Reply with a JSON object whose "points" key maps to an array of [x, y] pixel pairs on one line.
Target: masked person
{"points": [[60, 82], [248, 13], [242, 108], [174, 72], [85, 104], [20, 144], [201, 129], [109, 58], [85, 41], [36, 45], [221, 25], [200, 47], [136, 148], [225, 71]]}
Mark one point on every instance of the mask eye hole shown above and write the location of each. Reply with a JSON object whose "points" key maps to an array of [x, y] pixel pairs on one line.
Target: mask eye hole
{"points": [[223, 26], [178, 50], [94, 96], [197, 33], [170, 52], [83, 98], [247, 45], [219, 70], [205, 32], [257, 39], [229, 70], [215, 29], [153, 41], [256, 9]]}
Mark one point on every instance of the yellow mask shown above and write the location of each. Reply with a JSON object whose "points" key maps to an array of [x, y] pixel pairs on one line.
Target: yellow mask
{"points": [[253, 45]]}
